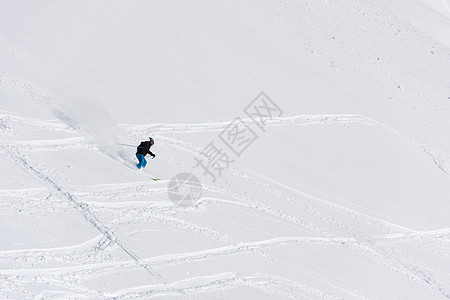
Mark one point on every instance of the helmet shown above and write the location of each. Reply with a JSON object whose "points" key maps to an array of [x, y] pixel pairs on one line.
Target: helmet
{"points": [[151, 140]]}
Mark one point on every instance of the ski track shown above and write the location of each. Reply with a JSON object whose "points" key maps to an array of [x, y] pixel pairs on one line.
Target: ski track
{"points": [[301, 120], [180, 257], [50, 145], [353, 213], [273, 285], [42, 96], [370, 246], [55, 249], [443, 163], [54, 125], [254, 180], [366, 244], [412, 273], [389, 259], [84, 210], [439, 234], [384, 258]]}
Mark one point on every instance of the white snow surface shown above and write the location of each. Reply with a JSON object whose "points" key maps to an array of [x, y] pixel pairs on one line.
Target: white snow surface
{"points": [[429, 16], [343, 195]]}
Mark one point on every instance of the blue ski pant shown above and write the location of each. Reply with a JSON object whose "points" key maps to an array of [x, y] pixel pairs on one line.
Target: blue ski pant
{"points": [[142, 161]]}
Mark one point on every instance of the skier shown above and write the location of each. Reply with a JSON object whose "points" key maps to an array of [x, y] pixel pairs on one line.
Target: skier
{"points": [[142, 150]]}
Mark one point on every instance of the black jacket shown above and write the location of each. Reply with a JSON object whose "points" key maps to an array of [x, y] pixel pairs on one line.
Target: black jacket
{"points": [[144, 149]]}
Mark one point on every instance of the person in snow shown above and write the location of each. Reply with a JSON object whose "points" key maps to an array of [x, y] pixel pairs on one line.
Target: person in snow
{"points": [[142, 150]]}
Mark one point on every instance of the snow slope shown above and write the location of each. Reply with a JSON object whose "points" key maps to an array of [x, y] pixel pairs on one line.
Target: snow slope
{"points": [[345, 195], [430, 16]]}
